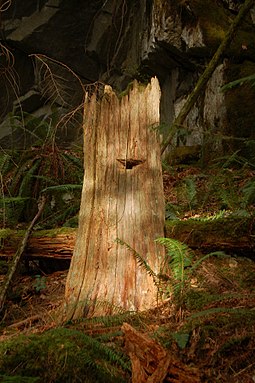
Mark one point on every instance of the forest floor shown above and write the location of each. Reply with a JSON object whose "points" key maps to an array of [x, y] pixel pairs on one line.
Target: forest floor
{"points": [[207, 326]]}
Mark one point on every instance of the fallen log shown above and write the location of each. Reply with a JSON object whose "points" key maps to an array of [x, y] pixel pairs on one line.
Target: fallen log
{"points": [[55, 243], [233, 235]]}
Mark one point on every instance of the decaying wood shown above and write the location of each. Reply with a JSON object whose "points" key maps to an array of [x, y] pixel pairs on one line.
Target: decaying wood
{"points": [[57, 244], [151, 363], [233, 235], [15, 262], [206, 75], [122, 198]]}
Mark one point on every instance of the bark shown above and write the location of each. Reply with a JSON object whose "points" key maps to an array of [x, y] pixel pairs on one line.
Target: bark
{"points": [[204, 78], [122, 198], [16, 260], [151, 363]]}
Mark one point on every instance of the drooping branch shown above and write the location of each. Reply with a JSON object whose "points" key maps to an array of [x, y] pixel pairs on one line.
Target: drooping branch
{"points": [[206, 75], [19, 253]]}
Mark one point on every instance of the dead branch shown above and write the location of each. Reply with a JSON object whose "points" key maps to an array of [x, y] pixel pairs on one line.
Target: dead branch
{"points": [[22, 323], [16, 260]]}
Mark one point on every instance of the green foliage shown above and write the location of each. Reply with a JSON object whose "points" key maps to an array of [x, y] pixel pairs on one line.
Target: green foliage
{"points": [[197, 299], [171, 211], [191, 191], [43, 167], [63, 355], [141, 261], [223, 189], [181, 338], [218, 310], [178, 260], [39, 283], [17, 379], [248, 193], [61, 188], [247, 79], [176, 270]]}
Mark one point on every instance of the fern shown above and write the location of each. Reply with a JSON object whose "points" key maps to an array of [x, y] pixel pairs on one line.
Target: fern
{"points": [[61, 188], [248, 192], [6, 162], [219, 215], [191, 191], [178, 258], [43, 167], [141, 261], [18, 379], [212, 254], [217, 310], [247, 79], [25, 186], [64, 355]]}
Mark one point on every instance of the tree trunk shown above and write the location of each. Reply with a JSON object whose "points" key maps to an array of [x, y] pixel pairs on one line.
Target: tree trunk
{"points": [[122, 198]]}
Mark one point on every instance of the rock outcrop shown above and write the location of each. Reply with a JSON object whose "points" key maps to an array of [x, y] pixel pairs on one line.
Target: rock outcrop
{"points": [[54, 50]]}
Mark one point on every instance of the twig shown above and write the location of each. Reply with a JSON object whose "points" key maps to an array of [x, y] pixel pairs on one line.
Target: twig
{"points": [[24, 322], [19, 253]]}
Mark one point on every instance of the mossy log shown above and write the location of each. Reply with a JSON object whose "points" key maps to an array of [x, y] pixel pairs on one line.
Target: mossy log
{"points": [[55, 243], [230, 234], [235, 235]]}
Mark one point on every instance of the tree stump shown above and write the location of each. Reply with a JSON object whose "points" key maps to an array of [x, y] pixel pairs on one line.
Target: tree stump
{"points": [[122, 198]]}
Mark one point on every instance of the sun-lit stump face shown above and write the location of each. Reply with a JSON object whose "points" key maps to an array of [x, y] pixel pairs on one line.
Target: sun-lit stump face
{"points": [[122, 199]]}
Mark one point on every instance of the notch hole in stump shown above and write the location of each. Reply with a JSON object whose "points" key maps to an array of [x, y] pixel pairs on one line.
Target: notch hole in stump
{"points": [[130, 163]]}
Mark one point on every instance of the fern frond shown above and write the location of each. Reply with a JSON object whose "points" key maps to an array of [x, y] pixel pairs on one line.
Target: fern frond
{"points": [[179, 256], [76, 161], [217, 310], [59, 217], [248, 192], [218, 215], [5, 161], [141, 261], [45, 179], [212, 254], [191, 190], [61, 188], [247, 79], [9, 200], [25, 186]]}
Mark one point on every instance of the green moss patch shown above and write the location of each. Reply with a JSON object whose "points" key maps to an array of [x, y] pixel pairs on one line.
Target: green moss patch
{"points": [[62, 355]]}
